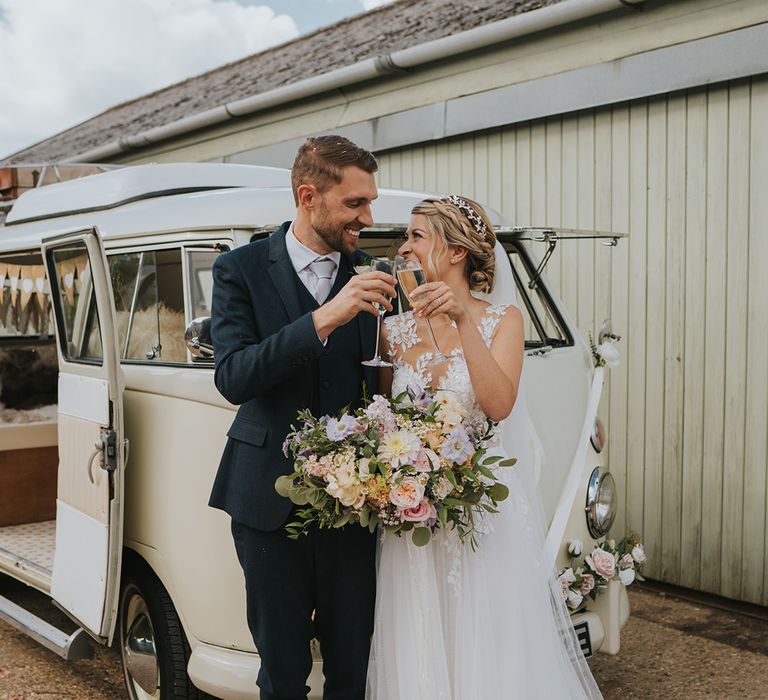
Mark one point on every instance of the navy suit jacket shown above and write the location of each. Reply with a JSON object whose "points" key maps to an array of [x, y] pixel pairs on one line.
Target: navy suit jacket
{"points": [[265, 348]]}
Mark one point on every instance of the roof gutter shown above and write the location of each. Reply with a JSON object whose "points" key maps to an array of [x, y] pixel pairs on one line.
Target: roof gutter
{"points": [[400, 61]]}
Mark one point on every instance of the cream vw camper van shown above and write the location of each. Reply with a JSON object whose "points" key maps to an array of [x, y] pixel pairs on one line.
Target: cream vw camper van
{"points": [[111, 431]]}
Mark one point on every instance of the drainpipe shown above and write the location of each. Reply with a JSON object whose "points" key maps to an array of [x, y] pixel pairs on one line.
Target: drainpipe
{"points": [[400, 61]]}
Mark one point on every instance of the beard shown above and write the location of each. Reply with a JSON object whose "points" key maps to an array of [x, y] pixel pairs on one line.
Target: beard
{"points": [[332, 232]]}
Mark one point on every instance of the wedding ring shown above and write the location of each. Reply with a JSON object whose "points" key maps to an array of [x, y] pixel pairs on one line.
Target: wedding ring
{"points": [[440, 301]]}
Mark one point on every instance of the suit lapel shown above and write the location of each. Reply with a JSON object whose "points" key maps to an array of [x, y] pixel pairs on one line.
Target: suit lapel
{"points": [[282, 273]]}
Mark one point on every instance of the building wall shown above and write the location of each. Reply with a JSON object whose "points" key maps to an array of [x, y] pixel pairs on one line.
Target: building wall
{"points": [[687, 411]]}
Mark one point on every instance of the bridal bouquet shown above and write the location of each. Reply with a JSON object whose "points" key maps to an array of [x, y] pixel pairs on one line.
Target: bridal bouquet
{"points": [[414, 464]]}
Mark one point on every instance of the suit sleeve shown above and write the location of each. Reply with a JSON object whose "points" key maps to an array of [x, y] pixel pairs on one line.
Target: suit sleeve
{"points": [[247, 365]]}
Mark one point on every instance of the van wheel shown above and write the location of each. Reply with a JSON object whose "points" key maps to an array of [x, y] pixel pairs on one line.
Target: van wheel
{"points": [[153, 647]]}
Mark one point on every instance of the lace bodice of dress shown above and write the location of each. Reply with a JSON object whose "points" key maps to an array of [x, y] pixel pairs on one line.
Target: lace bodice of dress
{"points": [[411, 351]]}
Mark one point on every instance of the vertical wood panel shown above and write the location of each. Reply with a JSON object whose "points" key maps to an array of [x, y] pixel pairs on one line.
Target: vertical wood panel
{"points": [[674, 312], [586, 219], [635, 331], [509, 174], [693, 382], [714, 338], [656, 300], [523, 176], [756, 420], [477, 187], [495, 196], [735, 336], [553, 196], [619, 295], [569, 273]]}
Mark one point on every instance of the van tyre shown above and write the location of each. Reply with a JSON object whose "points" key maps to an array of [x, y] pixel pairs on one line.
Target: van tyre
{"points": [[153, 647]]}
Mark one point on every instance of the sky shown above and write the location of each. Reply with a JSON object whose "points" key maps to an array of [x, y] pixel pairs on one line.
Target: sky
{"points": [[64, 61]]}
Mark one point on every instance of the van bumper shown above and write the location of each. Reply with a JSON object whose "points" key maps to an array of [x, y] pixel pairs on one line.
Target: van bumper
{"points": [[231, 675], [599, 627]]}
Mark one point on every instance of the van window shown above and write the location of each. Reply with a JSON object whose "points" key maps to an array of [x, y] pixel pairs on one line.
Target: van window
{"points": [[79, 319], [25, 303], [543, 324], [200, 264], [149, 303]]}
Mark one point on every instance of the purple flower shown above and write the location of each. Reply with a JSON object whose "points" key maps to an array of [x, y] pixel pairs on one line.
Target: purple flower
{"points": [[380, 411], [457, 446], [337, 430], [286, 446]]}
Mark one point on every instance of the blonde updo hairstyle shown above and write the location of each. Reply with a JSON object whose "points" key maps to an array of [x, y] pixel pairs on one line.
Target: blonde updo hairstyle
{"points": [[451, 223]]}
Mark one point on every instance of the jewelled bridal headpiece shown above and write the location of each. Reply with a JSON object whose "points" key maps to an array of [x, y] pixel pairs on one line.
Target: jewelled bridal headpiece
{"points": [[466, 208]]}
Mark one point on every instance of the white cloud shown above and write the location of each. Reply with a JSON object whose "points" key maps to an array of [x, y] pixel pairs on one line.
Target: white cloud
{"points": [[64, 61], [370, 4]]}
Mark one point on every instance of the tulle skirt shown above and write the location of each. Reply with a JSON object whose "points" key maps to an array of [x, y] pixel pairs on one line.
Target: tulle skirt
{"points": [[457, 624]]}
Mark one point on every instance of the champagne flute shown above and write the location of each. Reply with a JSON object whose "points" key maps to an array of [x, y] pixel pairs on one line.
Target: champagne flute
{"points": [[377, 265], [411, 275]]}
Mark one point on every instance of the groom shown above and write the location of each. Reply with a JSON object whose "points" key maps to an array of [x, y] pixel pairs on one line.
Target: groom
{"points": [[288, 334]]}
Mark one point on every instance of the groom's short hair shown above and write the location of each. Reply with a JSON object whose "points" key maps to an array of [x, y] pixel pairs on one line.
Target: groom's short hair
{"points": [[320, 160]]}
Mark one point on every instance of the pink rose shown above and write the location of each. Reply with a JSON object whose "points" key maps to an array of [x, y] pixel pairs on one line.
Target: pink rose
{"points": [[587, 583], [423, 511], [407, 494], [602, 563]]}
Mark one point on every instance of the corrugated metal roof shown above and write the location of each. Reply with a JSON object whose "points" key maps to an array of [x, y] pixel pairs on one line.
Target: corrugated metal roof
{"points": [[386, 29]]}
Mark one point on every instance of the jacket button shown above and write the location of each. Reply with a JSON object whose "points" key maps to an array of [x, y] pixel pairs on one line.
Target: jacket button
{"points": [[325, 384]]}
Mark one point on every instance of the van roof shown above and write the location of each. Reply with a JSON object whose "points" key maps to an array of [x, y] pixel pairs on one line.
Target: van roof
{"points": [[175, 198], [118, 187]]}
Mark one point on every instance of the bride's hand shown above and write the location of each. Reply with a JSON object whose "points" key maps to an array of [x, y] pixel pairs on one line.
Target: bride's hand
{"points": [[437, 298]]}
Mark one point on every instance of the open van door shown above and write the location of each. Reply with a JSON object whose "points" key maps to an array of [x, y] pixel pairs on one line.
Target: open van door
{"points": [[89, 502]]}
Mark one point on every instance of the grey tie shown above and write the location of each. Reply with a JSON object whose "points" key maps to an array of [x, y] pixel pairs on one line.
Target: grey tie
{"points": [[323, 269]]}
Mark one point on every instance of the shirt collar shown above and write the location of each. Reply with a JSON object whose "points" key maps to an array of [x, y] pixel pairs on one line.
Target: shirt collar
{"points": [[301, 256]]}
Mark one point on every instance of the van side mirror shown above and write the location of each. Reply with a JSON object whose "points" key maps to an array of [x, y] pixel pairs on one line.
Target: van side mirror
{"points": [[197, 337]]}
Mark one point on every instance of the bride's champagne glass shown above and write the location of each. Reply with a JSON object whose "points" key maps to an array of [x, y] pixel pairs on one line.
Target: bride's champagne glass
{"points": [[410, 275], [374, 265]]}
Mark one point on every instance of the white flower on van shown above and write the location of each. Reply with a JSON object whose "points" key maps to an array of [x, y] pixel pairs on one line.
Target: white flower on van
{"points": [[626, 576], [609, 353], [575, 548], [638, 554], [605, 354], [574, 599]]}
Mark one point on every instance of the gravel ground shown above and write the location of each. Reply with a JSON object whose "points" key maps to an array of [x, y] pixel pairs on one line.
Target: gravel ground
{"points": [[671, 648]]}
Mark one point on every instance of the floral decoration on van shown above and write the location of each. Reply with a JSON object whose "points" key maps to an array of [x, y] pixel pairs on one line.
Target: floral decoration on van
{"points": [[605, 563], [606, 353]]}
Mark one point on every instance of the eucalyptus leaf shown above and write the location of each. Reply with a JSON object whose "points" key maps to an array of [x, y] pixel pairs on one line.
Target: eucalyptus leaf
{"points": [[492, 460], [284, 485], [486, 472], [498, 492], [421, 536], [442, 514], [511, 462], [299, 496]]}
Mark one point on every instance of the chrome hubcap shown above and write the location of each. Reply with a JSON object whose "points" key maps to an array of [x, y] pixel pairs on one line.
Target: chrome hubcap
{"points": [[139, 651]]}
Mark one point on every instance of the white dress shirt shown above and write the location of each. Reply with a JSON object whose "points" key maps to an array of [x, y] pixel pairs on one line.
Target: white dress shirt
{"points": [[301, 258]]}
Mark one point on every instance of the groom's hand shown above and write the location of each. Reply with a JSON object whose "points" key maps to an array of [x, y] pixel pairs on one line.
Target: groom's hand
{"points": [[359, 294]]}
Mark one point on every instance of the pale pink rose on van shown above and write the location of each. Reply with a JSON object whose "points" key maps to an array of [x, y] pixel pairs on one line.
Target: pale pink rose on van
{"points": [[602, 563]]}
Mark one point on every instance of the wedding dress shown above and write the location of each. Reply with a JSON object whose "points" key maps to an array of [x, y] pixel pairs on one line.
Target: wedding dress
{"points": [[457, 624]]}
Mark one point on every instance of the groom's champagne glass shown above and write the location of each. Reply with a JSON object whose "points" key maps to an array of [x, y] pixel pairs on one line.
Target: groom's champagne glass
{"points": [[411, 275], [380, 265]]}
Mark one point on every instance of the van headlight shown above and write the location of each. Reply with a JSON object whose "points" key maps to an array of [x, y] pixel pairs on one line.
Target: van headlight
{"points": [[598, 435], [601, 502]]}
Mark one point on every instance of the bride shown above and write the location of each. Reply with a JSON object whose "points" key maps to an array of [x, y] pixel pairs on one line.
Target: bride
{"points": [[453, 623]]}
